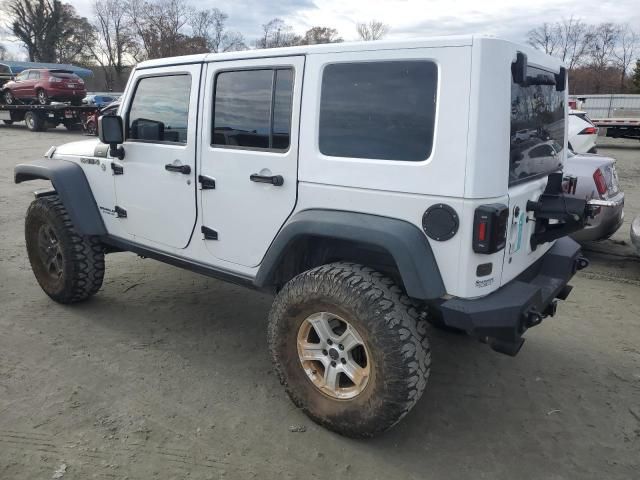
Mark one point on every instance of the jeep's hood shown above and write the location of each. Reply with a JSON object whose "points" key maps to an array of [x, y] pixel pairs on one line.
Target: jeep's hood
{"points": [[83, 148]]}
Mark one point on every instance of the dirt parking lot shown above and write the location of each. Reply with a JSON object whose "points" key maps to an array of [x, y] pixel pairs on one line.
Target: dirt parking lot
{"points": [[165, 374]]}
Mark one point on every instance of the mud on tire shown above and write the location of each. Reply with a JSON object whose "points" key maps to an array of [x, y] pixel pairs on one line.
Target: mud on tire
{"points": [[391, 327], [68, 266]]}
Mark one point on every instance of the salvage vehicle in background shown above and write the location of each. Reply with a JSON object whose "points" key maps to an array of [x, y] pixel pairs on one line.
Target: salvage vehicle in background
{"points": [[42, 86], [99, 100], [364, 185], [582, 133], [5, 74], [597, 178], [90, 120], [635, 233]]}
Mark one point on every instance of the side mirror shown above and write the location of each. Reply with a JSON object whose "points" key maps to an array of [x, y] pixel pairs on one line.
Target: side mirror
{"points": [[110, 132]]}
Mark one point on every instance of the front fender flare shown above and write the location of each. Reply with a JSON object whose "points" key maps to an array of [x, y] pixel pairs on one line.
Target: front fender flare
{"points": [[404, 241], [71, 185]]}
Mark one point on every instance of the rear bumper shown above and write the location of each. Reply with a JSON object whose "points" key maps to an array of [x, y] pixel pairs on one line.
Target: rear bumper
{"points": [[502, 317], [605, 224]]}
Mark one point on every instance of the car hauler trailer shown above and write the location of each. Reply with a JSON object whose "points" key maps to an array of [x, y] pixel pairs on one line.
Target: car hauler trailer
{"points": [[40, 117], [617, 115]]}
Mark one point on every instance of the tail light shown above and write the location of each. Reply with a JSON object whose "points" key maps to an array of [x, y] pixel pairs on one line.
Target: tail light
{"points": [[54, 79], [490, 228], [589, 131], [600, 181]]}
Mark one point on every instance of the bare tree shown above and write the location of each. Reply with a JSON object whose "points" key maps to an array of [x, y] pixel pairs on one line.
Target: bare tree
{"points": [[625, 52], [602, 44], [276, 34], [37, 24], [316, 35], [546, 37], [574, 42], [211, 25], [113, 38], [159, 27], [75, 43], [372, 30]]}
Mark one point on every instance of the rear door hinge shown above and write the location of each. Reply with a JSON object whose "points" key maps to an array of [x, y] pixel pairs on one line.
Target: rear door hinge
{"points": [[207, 183], [120, 212], [209, 233], [117, 169]]}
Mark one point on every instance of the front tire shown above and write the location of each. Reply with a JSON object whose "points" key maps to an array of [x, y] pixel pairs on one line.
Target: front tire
{"points": [[9, 99], [69, 267], [350, 348]]}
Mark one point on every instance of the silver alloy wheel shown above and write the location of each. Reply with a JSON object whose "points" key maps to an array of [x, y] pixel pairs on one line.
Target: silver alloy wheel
{"points": [[29, 120], [42, 97], [8, 97], [333, 355]]}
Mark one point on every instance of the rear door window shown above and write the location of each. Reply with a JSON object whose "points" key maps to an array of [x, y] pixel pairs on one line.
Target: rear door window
{"points": [[378, 110], [252, 109]]}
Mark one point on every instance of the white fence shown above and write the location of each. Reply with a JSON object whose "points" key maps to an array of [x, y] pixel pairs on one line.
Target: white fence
{"points": [[607, 106]]}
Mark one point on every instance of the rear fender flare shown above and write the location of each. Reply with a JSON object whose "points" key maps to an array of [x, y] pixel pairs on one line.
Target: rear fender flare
{"points": [[405, 242]]}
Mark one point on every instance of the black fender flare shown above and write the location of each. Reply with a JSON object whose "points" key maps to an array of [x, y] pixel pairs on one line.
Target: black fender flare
{"points": [[405, 242], [71, 185]]}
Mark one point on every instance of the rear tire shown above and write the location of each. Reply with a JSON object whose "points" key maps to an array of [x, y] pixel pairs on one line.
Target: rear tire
{"points": [[393, 354], [43, 97], [34, 122], [69, 267]]}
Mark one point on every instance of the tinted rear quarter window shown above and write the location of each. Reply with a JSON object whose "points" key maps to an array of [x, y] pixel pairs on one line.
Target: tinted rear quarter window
{"points": [[378, 110]]}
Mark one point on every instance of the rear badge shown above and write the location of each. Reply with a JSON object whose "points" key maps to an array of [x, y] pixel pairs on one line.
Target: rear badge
{"points": [[484, 283]]}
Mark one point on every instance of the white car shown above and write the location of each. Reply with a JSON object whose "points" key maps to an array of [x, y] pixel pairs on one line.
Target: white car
{"points": [[582, 132], [364, 185]]}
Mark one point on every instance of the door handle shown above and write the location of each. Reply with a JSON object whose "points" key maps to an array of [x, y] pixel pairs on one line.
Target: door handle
{"points": [[276, 180], [186, 169]]}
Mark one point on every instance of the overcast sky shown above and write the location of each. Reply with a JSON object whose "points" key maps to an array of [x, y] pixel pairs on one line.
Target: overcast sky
{"points": [[509, 19]]}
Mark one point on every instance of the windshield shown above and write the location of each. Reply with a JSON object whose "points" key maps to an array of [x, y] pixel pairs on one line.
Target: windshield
{"points": [[537, 127]]}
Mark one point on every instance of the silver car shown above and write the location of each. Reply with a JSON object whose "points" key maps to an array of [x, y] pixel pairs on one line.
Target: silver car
{"points": [[597, 179], [635, 233]]}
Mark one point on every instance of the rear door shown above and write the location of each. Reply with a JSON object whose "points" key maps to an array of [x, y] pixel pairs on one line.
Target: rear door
{"points": [[249, 157], [538, 109], [157, 186]]}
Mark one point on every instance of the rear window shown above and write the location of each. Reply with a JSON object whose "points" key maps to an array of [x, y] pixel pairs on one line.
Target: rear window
{"points": [[63, 75], [537, 127], [378, 110]]}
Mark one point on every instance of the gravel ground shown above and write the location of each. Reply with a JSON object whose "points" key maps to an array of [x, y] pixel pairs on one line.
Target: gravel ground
{"points": [[166, 374]]}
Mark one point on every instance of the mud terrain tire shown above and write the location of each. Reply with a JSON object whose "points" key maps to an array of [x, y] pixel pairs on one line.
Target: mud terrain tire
{"points": [[392, 329], [68, 266]]}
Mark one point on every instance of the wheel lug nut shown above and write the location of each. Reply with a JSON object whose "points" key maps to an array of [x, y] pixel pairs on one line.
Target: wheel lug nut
{"points": [[333, 364], [329, 342], [341, 347], [344, 361], [324, 352]]}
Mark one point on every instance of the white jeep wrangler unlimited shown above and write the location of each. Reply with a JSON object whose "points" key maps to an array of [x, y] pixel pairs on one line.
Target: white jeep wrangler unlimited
{"points": [[370, 186]]}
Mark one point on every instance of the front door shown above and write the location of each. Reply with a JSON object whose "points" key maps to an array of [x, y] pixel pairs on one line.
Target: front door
{"points": [[156, 190], [249, 158]]}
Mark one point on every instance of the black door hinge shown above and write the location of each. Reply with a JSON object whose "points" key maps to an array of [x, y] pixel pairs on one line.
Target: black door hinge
{"points": [[120, 212], [117, 169], [209, 234], [207, 183]]}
